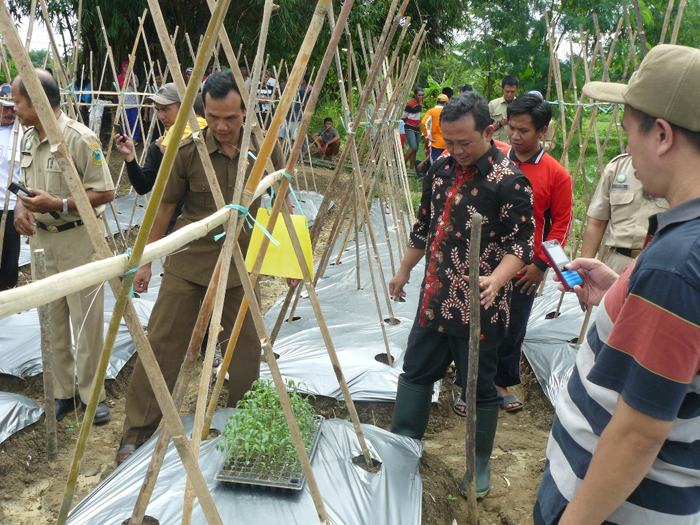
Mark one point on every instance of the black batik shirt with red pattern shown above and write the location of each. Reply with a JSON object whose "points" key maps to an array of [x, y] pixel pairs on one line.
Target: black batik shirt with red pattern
{"points": [[502, 194]]}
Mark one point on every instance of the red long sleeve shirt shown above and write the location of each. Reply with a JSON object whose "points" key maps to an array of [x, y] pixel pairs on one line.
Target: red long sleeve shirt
{"points": [[553, 198]]}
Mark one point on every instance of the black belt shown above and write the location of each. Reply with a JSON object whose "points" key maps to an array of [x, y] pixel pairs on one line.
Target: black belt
{"points": [[627, 252], [63, 227]]}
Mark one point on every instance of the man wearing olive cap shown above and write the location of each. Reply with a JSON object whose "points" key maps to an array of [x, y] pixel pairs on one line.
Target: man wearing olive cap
{"points": [[623, 448]]}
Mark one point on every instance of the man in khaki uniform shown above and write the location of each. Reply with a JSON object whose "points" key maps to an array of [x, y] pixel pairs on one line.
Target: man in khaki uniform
{"points": [[620, 202], [188, 272], [52, 222], [498, 108]]}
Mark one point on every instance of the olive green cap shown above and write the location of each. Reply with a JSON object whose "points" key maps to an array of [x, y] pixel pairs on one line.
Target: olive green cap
{"points": [[665, 86]]}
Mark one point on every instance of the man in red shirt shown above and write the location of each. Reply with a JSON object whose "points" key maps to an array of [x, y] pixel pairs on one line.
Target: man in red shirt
{"points": [[411, 118], [528, 118]]}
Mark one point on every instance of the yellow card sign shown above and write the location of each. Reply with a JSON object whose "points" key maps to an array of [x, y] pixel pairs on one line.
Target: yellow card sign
{"points": [[281, 261]]}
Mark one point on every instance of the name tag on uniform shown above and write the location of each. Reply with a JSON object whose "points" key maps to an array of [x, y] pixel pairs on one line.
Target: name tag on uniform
{"points": [[616, 186]]}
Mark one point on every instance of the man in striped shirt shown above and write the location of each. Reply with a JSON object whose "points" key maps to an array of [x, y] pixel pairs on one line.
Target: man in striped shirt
{"points": [[623, 448]]}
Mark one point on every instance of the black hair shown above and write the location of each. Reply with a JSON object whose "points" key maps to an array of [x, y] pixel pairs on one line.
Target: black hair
{"points": [[198, 105], [646, 122], [417, 90], [327, 119], [465, 88], [49, 70], [48, 82], [538, 109], [219, 85], [307, 79], [242, 64], [464, 104], [448, 91], [509, 80]]}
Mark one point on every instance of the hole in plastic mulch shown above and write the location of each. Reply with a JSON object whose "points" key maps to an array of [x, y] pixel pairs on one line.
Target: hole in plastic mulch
{"points": [[360, 462], [147, 520], [552, 315], [295, 318], [392, 322], [213, 433], [384, 359]]}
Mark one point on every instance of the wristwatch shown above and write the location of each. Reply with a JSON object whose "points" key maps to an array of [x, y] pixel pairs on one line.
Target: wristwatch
{"points": [[65, 206]]}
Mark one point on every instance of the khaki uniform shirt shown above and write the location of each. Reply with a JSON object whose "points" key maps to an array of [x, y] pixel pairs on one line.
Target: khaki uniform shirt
{"points": [[549, 139], [497, 109], [188, 181], [42, 171], [619, 199]]}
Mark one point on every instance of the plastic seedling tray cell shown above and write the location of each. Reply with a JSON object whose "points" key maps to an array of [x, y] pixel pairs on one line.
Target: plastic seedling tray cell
{"points": [[288, 476]]}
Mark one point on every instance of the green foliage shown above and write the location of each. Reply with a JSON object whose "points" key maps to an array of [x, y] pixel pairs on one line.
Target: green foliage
{"points": [[258, 432]]}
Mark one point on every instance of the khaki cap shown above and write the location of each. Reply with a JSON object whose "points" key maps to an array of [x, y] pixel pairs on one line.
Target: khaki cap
{"points": [[665, 86], [167, 94]]}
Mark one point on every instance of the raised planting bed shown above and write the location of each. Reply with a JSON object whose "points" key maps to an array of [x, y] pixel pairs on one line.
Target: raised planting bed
{"points": [[257, 445]]}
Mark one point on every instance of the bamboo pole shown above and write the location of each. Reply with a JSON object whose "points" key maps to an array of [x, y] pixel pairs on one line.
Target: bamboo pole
{"points": [[473, 365], [667, 18], [677, 23], [640, 27], [47, 364], [30, 30], [215, 325], [558, 84]]}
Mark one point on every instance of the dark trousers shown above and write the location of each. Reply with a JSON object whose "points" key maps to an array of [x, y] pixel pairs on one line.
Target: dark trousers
{"points": [[9, 264], [132, 115], [539, 520], [430, 352], [169, 330], [508, 371]]}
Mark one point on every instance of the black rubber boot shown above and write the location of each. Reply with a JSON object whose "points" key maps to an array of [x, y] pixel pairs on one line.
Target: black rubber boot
{"points": [[412, 409], [486, 425]]}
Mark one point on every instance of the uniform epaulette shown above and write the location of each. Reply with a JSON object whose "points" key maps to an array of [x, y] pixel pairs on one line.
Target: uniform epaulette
{"points": [[187, 140], [621, 155]]}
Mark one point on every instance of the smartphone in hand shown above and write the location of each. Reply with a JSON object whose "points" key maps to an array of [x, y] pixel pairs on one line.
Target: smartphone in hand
{"points": [[557, 261], [16, 188]]}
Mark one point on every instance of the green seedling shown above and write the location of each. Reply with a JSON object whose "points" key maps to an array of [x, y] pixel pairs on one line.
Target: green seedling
{"points": [[257, 433]]}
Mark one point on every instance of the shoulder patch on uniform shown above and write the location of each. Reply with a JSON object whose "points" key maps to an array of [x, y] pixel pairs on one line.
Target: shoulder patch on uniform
{"points": [[97, 157]]}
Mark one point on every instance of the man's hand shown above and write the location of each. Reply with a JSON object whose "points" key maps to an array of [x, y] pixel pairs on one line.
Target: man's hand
{"points": [[490, 287], [529, 282], [142, 278], [42, 202], [125, 146], [503, 121], [25, 223], [397, 283], [292, 283], [597, 278], [159, 143]]}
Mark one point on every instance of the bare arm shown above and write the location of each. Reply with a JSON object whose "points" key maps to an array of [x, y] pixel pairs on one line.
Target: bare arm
{"points": [[403, 274], [44, 202], [595, 229], [158, 231], [626, 450]]}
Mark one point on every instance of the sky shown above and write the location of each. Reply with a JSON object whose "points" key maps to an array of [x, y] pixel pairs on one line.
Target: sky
{"points": [[40, 35]]}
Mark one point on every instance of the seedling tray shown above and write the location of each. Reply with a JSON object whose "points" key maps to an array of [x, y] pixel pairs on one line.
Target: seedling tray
{"points": [[289, 476]]}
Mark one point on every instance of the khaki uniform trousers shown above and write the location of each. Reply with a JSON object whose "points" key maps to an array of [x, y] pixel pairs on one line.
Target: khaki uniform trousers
{"points": [[169, 331], [616, 261], [83, 310]]}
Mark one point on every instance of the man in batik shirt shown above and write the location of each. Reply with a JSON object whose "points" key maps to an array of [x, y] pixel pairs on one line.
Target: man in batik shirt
{"points": [[475, 177]]}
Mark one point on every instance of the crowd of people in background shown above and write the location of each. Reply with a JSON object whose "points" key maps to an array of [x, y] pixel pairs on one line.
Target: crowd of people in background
{"points": [[626, 423]]}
